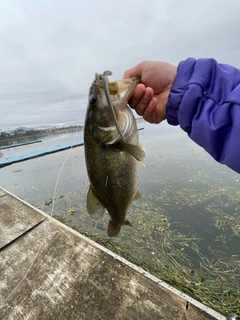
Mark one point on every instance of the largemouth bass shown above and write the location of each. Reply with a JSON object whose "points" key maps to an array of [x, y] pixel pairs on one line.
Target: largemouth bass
{"points": [[112, 150]]}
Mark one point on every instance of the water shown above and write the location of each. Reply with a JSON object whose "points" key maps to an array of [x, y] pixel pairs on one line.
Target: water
{"points": [[186, 227], [49, 141]]}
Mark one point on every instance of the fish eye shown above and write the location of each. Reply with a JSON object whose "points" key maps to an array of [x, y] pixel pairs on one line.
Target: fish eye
{"points": [[92, 99]]}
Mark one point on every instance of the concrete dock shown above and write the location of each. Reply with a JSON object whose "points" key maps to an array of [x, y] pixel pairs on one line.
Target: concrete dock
{"points": [[49, 271]]}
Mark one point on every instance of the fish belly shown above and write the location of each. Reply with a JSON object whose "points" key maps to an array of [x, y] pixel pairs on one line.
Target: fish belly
{"points": [[113, 176]]}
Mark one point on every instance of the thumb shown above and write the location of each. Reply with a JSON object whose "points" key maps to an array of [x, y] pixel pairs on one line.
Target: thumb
{"points": [[133, 72], [127, 74]]}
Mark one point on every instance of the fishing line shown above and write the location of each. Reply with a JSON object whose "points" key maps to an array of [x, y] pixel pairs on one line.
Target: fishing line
{"points": [[107, 94], [61, 169], [53, 204]]}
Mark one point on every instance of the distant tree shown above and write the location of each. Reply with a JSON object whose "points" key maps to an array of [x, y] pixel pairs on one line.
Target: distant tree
{"points": [[4, 134]]}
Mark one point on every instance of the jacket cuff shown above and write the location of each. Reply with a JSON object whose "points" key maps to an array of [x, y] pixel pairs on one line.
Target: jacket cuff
{"points": [[178, 90]]}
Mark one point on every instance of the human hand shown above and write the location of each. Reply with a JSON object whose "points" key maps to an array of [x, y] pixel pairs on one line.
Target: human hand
{"points": [[151, 95]]}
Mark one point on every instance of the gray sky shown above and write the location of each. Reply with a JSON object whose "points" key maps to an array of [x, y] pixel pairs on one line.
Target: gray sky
{"points": [[51, 50]]}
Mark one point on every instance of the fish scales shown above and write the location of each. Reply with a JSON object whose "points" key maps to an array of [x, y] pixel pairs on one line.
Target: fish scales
{"points": [[111, 156]]}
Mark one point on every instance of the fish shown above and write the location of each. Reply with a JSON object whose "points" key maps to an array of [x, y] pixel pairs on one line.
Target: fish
{"points": [[112, 150]]}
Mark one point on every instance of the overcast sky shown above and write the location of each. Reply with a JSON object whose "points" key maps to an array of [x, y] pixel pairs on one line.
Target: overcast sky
{"points": [[51, 50]]}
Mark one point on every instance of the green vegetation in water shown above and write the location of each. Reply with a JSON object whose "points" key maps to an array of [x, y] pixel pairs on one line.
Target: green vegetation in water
{"points": [[186, 228], [159, 245], [48, 202]]}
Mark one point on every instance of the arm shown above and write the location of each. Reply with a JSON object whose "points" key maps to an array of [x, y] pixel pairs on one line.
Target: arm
{"points": [[205, 101]]}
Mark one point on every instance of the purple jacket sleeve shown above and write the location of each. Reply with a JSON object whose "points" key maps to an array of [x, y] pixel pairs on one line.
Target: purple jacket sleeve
{"points": [[205, 102]]}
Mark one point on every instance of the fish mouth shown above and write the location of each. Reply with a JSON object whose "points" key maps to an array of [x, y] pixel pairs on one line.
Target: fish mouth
{"points": [[123, 89], [120, 89]]}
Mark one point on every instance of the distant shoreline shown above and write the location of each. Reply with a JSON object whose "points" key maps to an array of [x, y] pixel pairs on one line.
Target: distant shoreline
{"points": [[40, 133]]}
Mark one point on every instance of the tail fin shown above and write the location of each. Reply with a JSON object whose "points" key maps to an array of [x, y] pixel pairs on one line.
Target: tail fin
{"points": [[114, 228]]}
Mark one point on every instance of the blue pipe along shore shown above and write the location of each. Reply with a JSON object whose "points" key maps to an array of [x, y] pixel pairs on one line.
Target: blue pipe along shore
{"points": [[7, 162]]}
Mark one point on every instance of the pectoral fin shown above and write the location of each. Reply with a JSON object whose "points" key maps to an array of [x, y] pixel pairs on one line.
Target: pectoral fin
{"points": [[94, 205], [137, 152], [137, 195]]}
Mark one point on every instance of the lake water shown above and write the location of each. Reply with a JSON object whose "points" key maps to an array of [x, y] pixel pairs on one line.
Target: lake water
{"points": [[186, 226]]}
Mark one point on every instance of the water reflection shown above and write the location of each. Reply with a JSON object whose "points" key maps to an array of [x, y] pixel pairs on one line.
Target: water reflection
{"points": [[186, 228]]}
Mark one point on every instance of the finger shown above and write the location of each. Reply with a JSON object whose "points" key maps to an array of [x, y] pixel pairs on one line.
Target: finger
{"points": [[154, 112], [149, 113], [144, 101], [137, 95]]}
